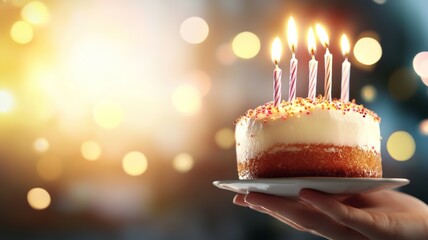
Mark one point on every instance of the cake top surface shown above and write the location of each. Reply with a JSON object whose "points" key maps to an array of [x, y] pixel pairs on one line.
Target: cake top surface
{"points": [[305, 106]]}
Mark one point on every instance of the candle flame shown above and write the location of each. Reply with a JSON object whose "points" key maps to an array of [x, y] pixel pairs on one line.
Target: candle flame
{"points": [[276, 50], [345, 45], [312, 46], [322, 35], [292, 34]]}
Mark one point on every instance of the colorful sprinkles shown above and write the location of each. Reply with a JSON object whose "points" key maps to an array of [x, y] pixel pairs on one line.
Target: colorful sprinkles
{"points": [[304, 106]]}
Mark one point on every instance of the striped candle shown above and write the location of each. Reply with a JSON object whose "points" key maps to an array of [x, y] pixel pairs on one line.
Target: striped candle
{"points": [[292, 42], [346, 70], [328, 60], [293, 79], [313, 69], [313, 65], [277, 74]]}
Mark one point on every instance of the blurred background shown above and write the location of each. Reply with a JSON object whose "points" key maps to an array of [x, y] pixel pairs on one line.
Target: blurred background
{"points": [[117, 116]]}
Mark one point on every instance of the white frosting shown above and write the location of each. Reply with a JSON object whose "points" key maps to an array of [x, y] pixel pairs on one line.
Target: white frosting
{"points": [[320, 126]]}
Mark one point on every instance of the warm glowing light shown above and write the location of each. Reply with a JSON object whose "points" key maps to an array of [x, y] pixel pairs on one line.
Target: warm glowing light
{"points": [[420, 65], [312, 45], [183, 162], [187, 99], [194, 30], [41, 145], [246, 45], [401, 146], [322, 35], [344, 43], [423, 127], [134, 163], [91, 150], [38, 198], [292, 34], [368, 93], [49, 168], [402, 84], [225, 138], [108, 114], [35, 13], [367, 51], [276, 50], [224, 54], [6, 101], [21, 32]]}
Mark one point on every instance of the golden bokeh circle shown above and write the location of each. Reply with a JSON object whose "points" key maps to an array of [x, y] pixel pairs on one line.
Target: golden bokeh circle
{"points": [[38, 198], [246, 45], [401, 146], [183, 162], [134, 163]]}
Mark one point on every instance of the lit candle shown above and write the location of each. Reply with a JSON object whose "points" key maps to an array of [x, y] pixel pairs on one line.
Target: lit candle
{"points": [[313, 65], [346, 70], [277, 73], [328, 61], [292, 42]]}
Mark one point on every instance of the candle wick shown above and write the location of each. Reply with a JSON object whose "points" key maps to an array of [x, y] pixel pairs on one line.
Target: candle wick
{"points": [[276, 63], [313, 56]]}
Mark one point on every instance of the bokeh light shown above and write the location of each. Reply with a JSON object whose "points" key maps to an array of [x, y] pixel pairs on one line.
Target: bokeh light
{"points": [[6, 101], [246, 45], [194, 30], [224, 54], [368, 93], [367, 51], [401, 146], [420, 65], [108, 114], [183, 162], [49, 168], [21, 32], [91, 150], [41, 145], [423, 127], [38, 198], [134, 163], [402, 84], [187, 99], [425, 80], [225, 138], [35, 13]]}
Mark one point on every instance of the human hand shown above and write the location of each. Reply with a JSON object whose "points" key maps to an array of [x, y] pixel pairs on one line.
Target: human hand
{"points": [[383, 214]]}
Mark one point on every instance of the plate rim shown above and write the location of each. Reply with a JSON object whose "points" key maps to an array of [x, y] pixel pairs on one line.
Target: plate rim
{"points": [[244, 186], [321, 179]]}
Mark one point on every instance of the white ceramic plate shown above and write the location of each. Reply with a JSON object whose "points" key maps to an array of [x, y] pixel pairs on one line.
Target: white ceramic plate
{"points": [[290, 187]]}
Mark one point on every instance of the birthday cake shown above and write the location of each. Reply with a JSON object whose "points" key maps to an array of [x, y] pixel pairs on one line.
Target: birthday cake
{"points": [[305, 137]]}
